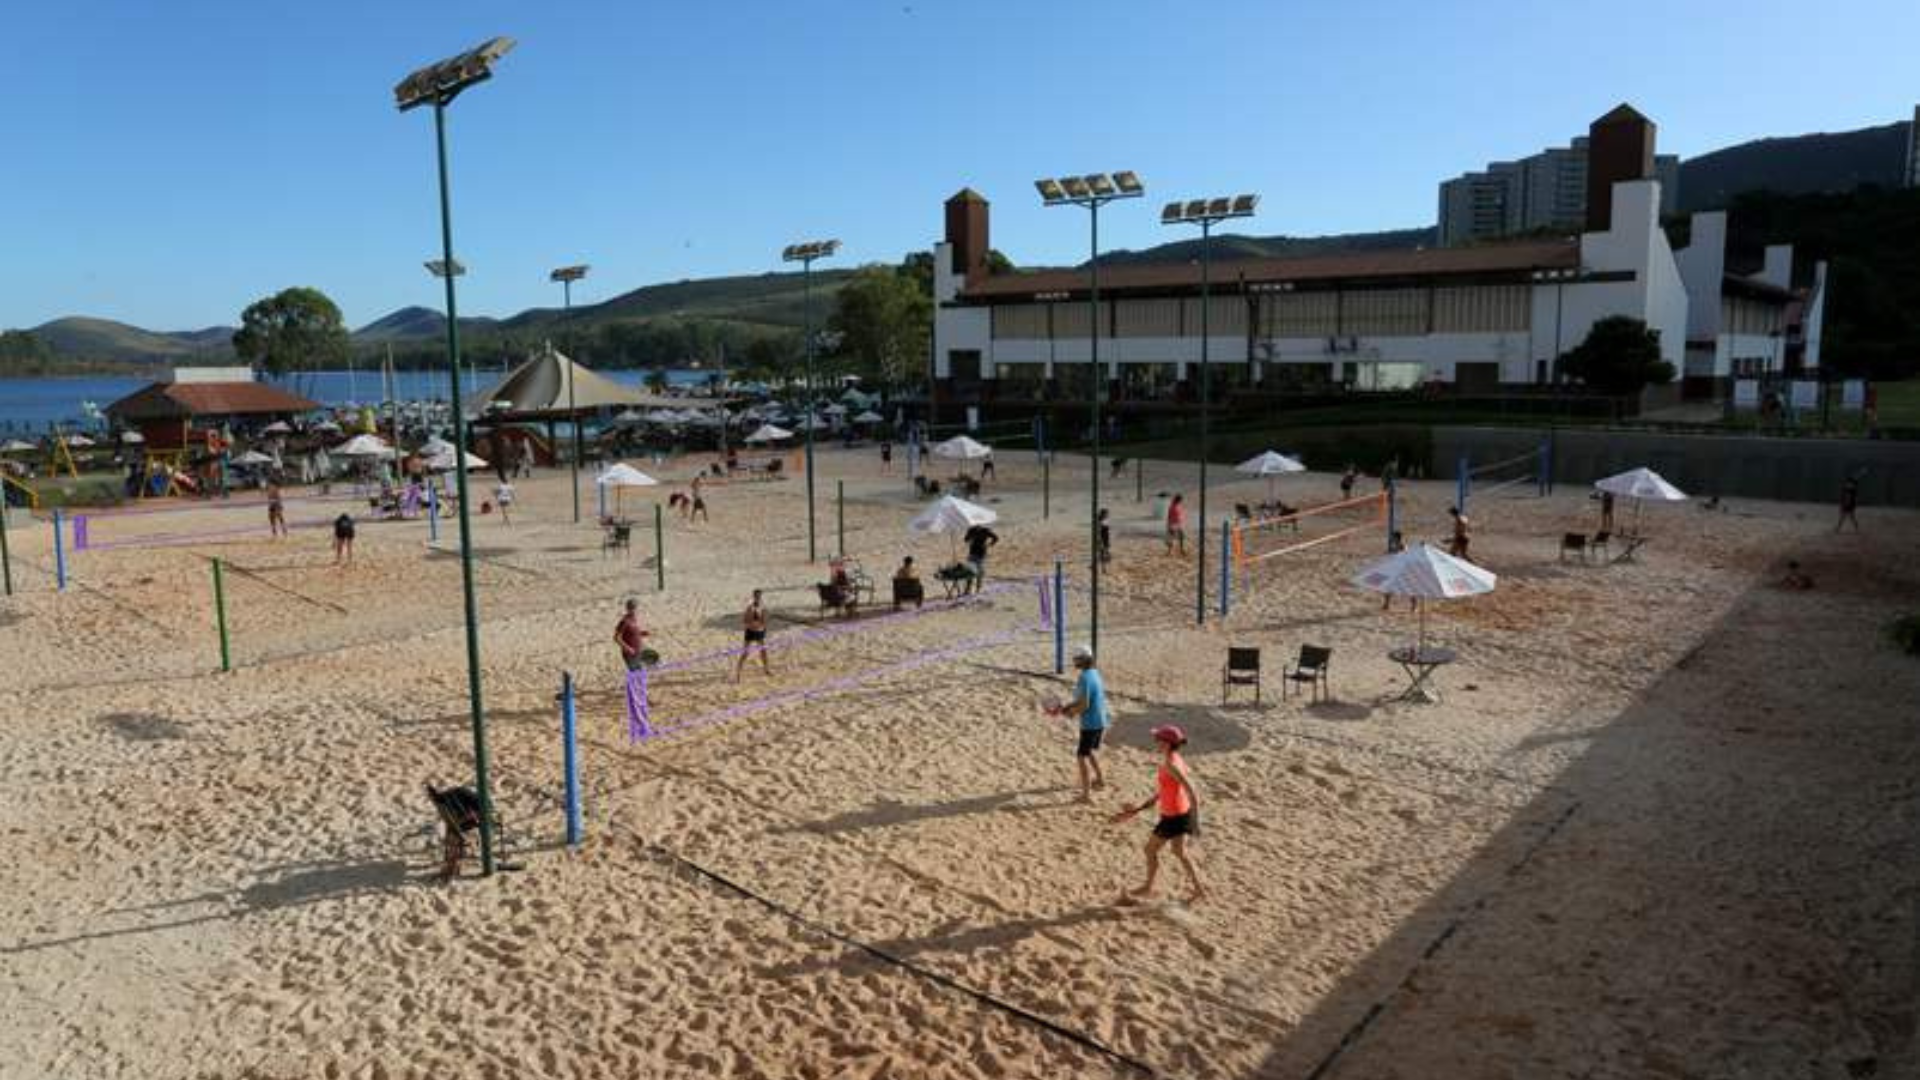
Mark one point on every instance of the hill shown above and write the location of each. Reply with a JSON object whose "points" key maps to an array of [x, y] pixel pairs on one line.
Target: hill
{"points": [[1228, 246], [103, 339], [1800, 165], [416, 323]]}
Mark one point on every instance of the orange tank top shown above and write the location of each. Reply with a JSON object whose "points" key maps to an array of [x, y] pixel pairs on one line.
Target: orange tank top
{"points": [[1174, 800]]}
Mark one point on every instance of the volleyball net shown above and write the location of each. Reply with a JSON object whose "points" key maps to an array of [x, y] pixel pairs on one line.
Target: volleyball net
{"points": [[1525, 474], [1254, 540]]}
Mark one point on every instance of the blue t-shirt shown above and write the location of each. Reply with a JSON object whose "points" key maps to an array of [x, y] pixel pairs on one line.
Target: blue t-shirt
{"points": [[1094, 692]]}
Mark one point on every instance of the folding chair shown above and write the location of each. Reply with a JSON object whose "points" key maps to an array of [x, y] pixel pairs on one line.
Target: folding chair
{"points": [[618, 538], [1242, 669], [1574, 542], [1601, 542], [1311, 668]]}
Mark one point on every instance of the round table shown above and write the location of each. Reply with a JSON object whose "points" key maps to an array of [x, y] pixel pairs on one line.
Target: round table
{"points": [[1420, 664]]}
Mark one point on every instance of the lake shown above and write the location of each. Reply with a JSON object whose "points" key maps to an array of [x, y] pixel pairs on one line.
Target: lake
{"points": [[33, 405]]}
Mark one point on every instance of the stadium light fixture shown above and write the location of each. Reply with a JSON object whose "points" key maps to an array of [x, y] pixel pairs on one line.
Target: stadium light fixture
{"points": [[1206, 213], [804, 254], [437, 85], [438, 267], [1092, 191]]}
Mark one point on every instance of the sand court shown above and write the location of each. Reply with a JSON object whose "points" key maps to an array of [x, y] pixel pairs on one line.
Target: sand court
{"points": [[1639, 834]]}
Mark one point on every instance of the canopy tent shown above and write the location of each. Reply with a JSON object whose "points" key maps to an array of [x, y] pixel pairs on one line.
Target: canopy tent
{"points": [[252, 457], [768, 433], [15, 446], [1642, 485], [364, 446], [131, 437], [951, 515], [443, 461], [435, 446], [869, 417], [1426, 573], [1272, 465], [961, 448], [619, 476], [549, 386]]}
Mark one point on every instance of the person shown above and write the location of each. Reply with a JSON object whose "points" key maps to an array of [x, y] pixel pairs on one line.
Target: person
{"points": [[1606, 511], [1797, 580], [343, 540], [886, 456], [979, 538], [526, 458], [698, 509], [1089, 706], [753, 625], [906, 584], [1177, 524], [1179, 808], [1849, 502], [1390, 473], [276, 512], [1457, 547], [503, 494], [1106, 539], [1346, 482], [630, 635], [986, 468]]}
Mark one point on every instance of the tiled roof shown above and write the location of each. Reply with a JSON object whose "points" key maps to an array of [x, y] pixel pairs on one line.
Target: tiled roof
{"points": [[167, 400]]}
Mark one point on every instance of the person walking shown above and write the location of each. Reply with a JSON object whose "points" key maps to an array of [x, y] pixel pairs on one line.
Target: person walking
{"points": [[1177, 524], [979, 539], [631, 636], [1462, 533], [343, 540], [276, 512], [503, 494], [1089, 706], [1106, 539], [1849, 503], [986, 468], [753, 625], [698, 509], [1179, 808], [1347, 480], [886, 456]]}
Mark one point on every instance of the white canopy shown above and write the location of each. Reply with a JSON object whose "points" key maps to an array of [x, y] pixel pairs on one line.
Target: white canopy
{"points": [[326, 425], [769, 433], [869, 417], [1270, 464], [950, 515], [621, 474], [15, 446], [278, 427], [835, 409], [364, 446], [435, 446], [1425, 572], [253, 457], [78, 440], [1642, 483], [962, 448], [443, 461]]}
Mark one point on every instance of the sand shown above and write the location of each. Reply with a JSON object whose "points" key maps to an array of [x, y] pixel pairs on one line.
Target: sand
{"points": [[1661, 823]]}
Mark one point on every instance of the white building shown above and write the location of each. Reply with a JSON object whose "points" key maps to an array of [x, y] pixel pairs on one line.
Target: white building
{"points": [[1477, 317]]}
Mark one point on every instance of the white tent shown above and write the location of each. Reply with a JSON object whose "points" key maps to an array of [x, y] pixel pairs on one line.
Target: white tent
{"points": [[443, 461], [768, 433], [1426, 573], [951, 515], [869, 417], [78, 440], [435, 446], [364, 446], [278, 427], [253, 457], [1642, 485], [15, 446], [620, 474], [961, 448], [132, 437], [1271, 465]]}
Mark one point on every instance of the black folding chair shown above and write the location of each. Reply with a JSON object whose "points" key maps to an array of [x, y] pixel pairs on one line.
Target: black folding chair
{"points": [[1311, 668], [1242, 669], [1574, 542]]}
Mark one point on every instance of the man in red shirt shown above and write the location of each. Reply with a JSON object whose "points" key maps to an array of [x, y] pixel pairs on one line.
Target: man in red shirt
{"points": [[630, 636], [1177, 525]]}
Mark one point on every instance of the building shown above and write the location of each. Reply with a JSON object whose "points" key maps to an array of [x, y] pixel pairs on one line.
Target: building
{"points": [[1746, 325], [1476, 317], [177, 413], [1546, 191]]}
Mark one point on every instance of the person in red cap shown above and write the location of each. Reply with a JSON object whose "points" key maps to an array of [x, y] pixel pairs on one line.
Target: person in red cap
{"points": [[1179, 813]]}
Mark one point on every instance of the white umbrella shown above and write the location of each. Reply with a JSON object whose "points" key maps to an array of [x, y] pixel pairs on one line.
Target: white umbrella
{"points": [[869, 417], [835, 409], [620, 476], [253, 457], [962, 448], [278, 427], [443, 461], [1270, 465], [78, 440], [1426, 573], [435, 447], [326, 425], [132, 437], [15, 446], [768, 433], [364, 446], [951, 515], [1641, 485]]}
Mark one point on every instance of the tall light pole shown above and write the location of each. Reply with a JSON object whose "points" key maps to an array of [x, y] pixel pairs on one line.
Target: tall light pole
{"points": [[566, 276], [804, 254], [437, 85], [1092, 192], [1206, 213]]}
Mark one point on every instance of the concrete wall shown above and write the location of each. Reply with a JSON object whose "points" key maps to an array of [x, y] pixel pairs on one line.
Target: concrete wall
{"points": [[1748, 467]]}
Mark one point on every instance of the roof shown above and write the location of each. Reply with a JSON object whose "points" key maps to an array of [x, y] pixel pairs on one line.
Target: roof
{"points": [[166, 401], [539, 387], [1411, 263], [967, 194], [1735, 285]]}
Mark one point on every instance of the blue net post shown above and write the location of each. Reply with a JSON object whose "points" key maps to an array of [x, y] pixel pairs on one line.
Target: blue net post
{"points": [[433, 514], [1226, 565], [59, 554], [1463, 480], [1059, 618], [1546, 466], [1393, 512], [570, 757]]}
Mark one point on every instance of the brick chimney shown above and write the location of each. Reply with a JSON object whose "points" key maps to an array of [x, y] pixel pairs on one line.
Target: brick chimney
{"points": [[967, 232], [1619, 147]]}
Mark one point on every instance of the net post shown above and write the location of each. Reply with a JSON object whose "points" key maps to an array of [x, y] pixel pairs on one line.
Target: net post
{"points": [[59, 555], [840, 514], [433, 514], [1139, 480], [79, 532], [6, 556], [1046, 486], [659, 550], [1393, 512], [220, 616], [1059, 618], [570, 757], [1462, 482], [1226, 564], [1546, 466]]}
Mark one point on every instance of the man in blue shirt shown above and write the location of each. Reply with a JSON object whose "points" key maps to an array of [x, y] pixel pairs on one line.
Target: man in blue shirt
{"points": [[1090, 705]]}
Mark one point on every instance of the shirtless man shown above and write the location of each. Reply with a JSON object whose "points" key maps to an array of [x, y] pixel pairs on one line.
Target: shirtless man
{"points": [[1462, 538], [753, 624]]}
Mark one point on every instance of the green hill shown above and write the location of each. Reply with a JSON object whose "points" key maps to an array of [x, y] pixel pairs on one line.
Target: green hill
{"points": [[84, 338]]}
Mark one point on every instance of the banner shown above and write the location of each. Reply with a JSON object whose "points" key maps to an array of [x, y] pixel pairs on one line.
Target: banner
{"points": [[1806, 394], [1853, 394], [1746, 393]]}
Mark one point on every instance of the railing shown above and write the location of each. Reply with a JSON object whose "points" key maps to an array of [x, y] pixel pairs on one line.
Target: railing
{"points": [[32, 496]]}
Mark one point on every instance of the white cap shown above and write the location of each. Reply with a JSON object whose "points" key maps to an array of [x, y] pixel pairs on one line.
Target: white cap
{"points": [[1083, 652]]}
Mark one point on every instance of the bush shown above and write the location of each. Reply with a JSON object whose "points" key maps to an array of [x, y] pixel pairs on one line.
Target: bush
{"points": [[1905, 632]]}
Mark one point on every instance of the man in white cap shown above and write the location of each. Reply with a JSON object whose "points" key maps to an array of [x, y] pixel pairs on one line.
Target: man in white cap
{"points": [[1090, 705]]}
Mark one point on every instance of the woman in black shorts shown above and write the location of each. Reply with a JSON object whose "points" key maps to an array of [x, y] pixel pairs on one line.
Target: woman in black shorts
{"points": [[1179, 813], [753, 623], [343, 539]]}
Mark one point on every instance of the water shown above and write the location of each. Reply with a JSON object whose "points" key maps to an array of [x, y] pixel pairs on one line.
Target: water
{"points": [[33, 405]]}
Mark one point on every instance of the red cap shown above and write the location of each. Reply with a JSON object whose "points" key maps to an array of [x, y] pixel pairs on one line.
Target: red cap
{"points": [[1170, 733]]}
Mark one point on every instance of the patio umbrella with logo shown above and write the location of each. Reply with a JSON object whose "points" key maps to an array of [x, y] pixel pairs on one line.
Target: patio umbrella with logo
{"points": [[1426, 573]]}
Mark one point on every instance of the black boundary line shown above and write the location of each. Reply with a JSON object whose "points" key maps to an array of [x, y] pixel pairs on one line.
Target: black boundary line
{"points": [[252, 575], [1077, 1038], [1352, 1036]]}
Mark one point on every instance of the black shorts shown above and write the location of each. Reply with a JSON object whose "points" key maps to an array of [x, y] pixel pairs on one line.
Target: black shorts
{"points": [[1090, 741], [1180, 825], [756, 637]]}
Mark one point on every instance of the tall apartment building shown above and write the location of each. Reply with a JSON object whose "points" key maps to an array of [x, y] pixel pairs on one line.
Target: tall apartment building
{"points": [[1545, 191]]}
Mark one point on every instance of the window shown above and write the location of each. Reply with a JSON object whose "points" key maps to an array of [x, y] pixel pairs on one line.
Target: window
{"points": [[1481, 309], [1019, 321]]}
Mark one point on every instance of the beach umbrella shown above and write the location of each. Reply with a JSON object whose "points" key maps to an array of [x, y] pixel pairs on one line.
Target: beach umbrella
{"points": [[78, 440], [835, 409], [435, 447], [252, 457], [1641, 485], [278, 427], [869, 417], [443, 461], [768, 433], [364, 446], [620, 476], [15, 446], [131, 437], [326, 425], [1271, 465], [1425, 573], [951, 515]]}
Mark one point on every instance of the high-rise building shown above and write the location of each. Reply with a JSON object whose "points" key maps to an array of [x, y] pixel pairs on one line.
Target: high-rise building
{"points": [[1545, 191]]}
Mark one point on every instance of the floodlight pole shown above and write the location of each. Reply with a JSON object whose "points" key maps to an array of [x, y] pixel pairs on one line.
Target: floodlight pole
{"points": [[573, 415], [1093, 347], [806, 286], [478, 711]]}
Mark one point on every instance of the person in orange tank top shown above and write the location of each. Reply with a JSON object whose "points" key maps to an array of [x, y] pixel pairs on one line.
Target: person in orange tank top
{"points": [[1179, 814]]}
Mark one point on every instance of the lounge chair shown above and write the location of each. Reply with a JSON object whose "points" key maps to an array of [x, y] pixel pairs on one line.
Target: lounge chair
{"points": [[1602, 541], [1311, 668], [1241, 669], [836, 597]]}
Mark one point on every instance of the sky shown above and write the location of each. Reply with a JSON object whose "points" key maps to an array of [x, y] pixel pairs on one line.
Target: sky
{"points": [[170, 162]]}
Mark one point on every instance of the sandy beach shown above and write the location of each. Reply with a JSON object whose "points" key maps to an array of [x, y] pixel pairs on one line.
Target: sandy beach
{"points": [[1660, 824]]}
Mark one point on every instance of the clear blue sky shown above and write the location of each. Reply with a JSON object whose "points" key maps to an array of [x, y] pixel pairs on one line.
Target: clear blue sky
{"points": [[169, 162]]}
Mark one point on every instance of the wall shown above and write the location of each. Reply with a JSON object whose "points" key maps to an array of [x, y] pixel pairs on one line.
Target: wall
{"points": [[1750, 467]]}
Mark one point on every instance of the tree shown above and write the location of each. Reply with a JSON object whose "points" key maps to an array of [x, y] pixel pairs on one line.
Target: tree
{"points": [[1619, 356], [23, 353], [884, 318], [292, 329]]}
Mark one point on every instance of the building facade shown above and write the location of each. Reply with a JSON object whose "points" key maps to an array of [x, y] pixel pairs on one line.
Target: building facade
{"points": [[1545, 191], [1478, 317]]}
